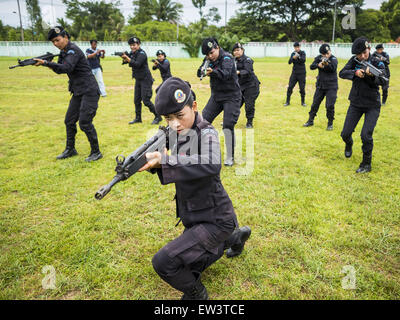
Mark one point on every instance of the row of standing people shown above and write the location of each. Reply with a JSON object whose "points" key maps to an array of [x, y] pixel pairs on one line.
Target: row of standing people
{"points": [[364, 96]]}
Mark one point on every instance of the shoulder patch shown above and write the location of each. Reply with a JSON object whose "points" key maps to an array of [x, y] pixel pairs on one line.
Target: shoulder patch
{"points": [[70, 51], [208, 131], [227, 58]]}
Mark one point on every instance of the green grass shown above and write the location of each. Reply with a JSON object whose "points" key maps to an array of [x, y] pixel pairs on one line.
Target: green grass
{"points": [[311, 215]]}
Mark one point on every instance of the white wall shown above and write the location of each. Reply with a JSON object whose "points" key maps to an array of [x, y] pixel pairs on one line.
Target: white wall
{"points": [[175, 50]]}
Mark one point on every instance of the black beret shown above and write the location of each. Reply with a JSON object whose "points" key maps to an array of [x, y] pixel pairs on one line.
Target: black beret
{"points": [[160, 52], [379, 46], [134, 40], [172, 96], [208, 45], [56, 31], [324, 48], [360, 45], [237, 45], [296, 44]]}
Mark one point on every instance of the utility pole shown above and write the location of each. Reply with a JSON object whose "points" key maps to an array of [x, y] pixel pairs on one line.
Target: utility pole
{"points": [[334, 24], [226, 12], [20, 22]]}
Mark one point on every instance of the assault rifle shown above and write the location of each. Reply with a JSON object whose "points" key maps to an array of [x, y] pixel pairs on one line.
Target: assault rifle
{"points": [[30, 62], [374, 70], [126, 167], [381, 57], [203, 71], [119, 54]]}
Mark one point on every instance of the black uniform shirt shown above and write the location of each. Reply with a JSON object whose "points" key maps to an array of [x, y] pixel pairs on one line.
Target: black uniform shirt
{"points": [[165, 69], [327, 77], [365, 91], [73, 62], [139, 65], [194, 166], [247, 77], [299, 66], [223, 79]]}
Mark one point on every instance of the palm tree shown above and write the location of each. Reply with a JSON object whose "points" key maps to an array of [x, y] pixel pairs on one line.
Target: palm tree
{"points": [[166, 10]]}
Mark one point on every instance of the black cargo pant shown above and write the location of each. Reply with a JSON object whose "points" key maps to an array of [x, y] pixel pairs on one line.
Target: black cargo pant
{"points": [[249, 97], [181, 261], [143, 92], [294, 79], [354, 115], [385, 92], [83, 109], [319, 96], [231, 109]]}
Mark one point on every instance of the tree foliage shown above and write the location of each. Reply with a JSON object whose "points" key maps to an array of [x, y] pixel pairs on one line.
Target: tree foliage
{"points": [[35, 15], [160, 10], [152, 31], [97, 15]]}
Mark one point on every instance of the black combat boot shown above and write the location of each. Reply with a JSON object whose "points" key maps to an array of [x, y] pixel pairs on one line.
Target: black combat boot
{"points": [[238, 238], [138, 118], [94, 156], [348, 151], [157, 119], [309, 123], [303, 101], [67, 153], [287, 101], [197, 292], [249, 124], [330, 126], [365, 165]]}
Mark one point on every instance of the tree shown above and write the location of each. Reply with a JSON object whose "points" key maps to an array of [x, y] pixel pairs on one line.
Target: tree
{"points": [[166, 10], [160, 10], [199, 4], [212, 15], [292, 17], [3, 32], [391, 9], [98, 16], [63, 23], [32, 6], [372, 24], [151, 31], [192, 40], [246, 26], [142, 12], [12, 35]]}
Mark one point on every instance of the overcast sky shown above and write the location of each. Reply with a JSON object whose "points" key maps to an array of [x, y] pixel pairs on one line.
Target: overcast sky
{"points": [[53, 9]]}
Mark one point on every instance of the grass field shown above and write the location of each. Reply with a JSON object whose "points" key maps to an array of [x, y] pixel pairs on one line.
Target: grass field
{"points": [[310, 213]]}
